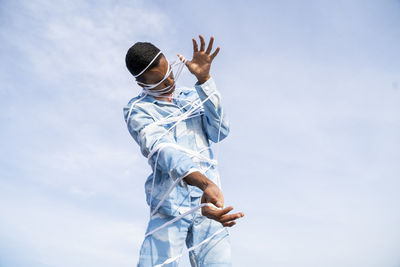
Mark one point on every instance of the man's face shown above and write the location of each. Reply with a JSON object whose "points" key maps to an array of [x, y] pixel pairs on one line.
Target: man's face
{"points": [[156, 74]]}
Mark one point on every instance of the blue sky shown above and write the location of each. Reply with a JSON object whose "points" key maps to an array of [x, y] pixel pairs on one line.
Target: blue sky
{"points": [[312, 91]]}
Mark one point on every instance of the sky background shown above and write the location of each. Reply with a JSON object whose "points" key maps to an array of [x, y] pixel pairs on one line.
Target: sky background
{"points": [[312, 91]]}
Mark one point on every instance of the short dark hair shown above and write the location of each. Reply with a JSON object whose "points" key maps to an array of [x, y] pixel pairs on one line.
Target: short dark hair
{"points": [[140, 55]]}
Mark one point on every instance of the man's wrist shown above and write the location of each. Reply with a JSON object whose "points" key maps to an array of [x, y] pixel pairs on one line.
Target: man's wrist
{"points": [[202, 80], [198, 179]]}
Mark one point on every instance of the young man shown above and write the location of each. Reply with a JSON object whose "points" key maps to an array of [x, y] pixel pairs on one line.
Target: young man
{"points": [[173, 128]]}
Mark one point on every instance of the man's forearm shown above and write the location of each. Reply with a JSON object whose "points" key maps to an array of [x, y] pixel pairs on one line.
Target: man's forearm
{"points": [[198, 179]]}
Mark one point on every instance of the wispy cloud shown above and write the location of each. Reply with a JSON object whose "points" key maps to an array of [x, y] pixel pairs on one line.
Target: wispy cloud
{"points": [[71, 168], [311, 92], [42, 230]]}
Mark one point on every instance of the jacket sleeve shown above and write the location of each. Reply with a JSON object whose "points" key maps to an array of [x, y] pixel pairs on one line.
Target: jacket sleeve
{"points": [[150, 136], [214, 116]]}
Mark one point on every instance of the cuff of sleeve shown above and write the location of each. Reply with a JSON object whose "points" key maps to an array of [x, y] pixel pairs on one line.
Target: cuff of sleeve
{"points": [[191, 170], [184, 168], [208, 87]]}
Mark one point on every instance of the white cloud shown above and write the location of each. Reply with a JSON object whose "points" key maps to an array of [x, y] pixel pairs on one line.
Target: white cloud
{"points": [[73, 176], [77, 56], [51, 232], [83, 45], [310, 86]]}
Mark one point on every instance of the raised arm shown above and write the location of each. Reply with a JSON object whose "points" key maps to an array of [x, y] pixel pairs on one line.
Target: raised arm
{"points": [[215, 122]]}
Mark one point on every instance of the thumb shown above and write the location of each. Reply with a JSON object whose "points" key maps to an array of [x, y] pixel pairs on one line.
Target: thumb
{"points": [[188, 63], [216, 202], [207, 199], [219, 204], [203, 199], [183, 59]]}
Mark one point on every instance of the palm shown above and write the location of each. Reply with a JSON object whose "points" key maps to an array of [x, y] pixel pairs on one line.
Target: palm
{"points": [[201, 62]]}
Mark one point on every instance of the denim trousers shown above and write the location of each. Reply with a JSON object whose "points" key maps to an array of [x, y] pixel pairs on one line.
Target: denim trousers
{"points": [[189, 231]]}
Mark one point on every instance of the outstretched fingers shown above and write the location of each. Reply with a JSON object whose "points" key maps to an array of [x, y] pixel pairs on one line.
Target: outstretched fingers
{"points": [[214, 213], [210, 44], [222, 216], [231, 217], [195, 46], [202, 43], [229, 224], [230, 220], [213, 55]]}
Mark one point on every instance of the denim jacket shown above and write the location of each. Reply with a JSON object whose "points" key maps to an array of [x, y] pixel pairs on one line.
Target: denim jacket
{"points": [[194, 133]]}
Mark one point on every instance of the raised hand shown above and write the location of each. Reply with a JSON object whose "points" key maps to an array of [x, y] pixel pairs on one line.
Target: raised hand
{"points": [[200, 64]]}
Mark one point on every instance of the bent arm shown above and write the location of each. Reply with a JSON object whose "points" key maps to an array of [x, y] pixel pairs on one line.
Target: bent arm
{"points": [[214, 115], [158, 146], [179, 165]]}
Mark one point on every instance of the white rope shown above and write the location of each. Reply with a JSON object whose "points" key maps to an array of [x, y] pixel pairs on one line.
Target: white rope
{"points": [[148, 89], [179, 119], [174, 119], [151, 62], [182, 148], [183, 116], [130, 110], [190, 249], [180, 108], [186, 114], [180, 217], [187, 151]]}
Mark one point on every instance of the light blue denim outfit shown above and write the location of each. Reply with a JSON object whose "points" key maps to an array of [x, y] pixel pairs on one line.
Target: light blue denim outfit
{"points": [[195, 134]]}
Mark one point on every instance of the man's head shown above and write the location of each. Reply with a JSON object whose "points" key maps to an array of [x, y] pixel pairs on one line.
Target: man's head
{"points": [[139, 56]]}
